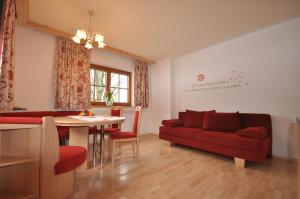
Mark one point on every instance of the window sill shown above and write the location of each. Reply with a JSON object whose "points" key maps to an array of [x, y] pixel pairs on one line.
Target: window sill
{"points": [[101, 108]]}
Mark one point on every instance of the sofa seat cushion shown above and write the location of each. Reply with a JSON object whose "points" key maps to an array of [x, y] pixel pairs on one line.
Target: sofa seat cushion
{"points": [[70, 158], [231, 140], [183, 132], [215, 121], [258, 132], [122, 135]]}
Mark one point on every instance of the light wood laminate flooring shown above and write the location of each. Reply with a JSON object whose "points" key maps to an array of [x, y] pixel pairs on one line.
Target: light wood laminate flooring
{"points": [[164, 172]]}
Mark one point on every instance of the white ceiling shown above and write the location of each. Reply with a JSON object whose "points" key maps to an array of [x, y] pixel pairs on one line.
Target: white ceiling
{"points": [[161, 28]]}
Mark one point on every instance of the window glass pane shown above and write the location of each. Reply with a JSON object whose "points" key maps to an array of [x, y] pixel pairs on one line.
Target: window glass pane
{"points": [[100, 78], [123, 81], [92, 93], [116, 94], [114, 80], [123, 95], [92, 76], [100, 93]]}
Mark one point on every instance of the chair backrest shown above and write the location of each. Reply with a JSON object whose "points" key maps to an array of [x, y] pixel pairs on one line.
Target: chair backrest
{"points": [[116, 111], [136, 120]]}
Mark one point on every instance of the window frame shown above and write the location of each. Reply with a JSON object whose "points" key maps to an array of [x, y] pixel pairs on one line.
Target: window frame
{"points": [[108, 71]]}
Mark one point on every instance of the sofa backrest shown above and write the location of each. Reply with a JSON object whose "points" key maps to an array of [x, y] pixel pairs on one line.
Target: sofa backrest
{"points": [[181, 115], [249, 120], [256, 119], [38, 113]]}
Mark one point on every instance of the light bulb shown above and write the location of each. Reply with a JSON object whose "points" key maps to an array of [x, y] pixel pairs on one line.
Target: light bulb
{"points": [[76, 39], [88, 45], [81, 34], [99, 38], [101, 44]]}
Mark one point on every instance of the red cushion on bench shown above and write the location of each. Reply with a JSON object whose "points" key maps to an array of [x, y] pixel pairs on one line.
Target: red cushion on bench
{"points": [[20, 120], [70, 158]]}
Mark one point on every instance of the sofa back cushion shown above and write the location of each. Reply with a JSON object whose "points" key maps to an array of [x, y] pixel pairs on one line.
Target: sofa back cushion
{"points": [[194, 119], [216, 121]]}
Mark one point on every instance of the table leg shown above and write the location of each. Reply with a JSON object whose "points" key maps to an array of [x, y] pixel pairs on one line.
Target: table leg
{"points": [[101, 145], [94, 144], [79, 136]]}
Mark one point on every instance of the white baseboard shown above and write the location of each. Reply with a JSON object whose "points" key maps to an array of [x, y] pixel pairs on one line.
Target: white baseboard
{"points": [[284, 157]]}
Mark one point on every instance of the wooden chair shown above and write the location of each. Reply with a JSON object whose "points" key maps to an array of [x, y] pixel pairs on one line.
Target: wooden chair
{"points": [[57, 163], [126, 137], [114, 111]]}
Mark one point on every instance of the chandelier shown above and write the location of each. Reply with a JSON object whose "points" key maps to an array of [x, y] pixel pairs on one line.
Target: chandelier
{"points": [[89, 38]]}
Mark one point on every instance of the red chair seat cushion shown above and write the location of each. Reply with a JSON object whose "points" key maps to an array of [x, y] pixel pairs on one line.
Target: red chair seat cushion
{"points": [[70, 158], [122, 135], [91, 130], [110, 130], [259, 132]]}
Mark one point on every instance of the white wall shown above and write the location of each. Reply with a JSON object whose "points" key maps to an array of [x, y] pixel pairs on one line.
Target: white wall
{"points": [[35, 56], [160, 93], [34, 63], [270, 62]]}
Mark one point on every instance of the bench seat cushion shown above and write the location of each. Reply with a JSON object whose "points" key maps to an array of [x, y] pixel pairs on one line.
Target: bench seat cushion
{"points": [[20, 120], [70, 158]]}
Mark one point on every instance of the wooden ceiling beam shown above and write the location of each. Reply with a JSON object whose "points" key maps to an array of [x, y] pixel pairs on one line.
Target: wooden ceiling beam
{"points": [[24, 20]]}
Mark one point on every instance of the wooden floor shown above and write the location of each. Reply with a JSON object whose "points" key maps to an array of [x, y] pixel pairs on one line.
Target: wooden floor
{"points": [[181, 172]]}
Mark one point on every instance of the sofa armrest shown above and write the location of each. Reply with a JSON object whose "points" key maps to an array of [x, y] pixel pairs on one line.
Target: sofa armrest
{"points": [[172, 123]]}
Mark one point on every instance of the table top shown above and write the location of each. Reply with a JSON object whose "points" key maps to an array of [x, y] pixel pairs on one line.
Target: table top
{"points": [[87, 120]]}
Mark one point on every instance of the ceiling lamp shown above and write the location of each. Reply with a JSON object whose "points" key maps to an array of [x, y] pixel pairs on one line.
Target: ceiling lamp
{"points": [[89, 38]]}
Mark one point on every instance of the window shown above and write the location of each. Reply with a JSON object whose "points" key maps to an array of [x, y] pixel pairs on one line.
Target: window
{"points": [[117, 81]]}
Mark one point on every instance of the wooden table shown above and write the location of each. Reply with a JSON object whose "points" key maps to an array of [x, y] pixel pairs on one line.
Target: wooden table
{"points": [[79, 131]]}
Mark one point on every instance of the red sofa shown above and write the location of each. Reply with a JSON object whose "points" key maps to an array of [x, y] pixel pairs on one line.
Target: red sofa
{"points": [[244, 136], [63, 132]]}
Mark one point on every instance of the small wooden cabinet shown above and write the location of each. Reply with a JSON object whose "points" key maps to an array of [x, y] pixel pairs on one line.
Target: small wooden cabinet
{"points": [[19, 161]]}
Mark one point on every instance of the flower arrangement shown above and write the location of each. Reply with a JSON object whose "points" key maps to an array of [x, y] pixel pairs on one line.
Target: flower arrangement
{"points": [[109, 98]]}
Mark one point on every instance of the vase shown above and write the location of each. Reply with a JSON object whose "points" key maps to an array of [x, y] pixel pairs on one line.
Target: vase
{"points": [[109, 102]]}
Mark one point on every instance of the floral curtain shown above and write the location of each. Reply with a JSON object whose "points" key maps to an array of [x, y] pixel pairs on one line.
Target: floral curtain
{"points": [[72, 76], [141, 84], [7, 53]]}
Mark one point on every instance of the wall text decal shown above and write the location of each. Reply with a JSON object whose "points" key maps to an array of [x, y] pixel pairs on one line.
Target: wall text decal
{"points": [[235, 80]]}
